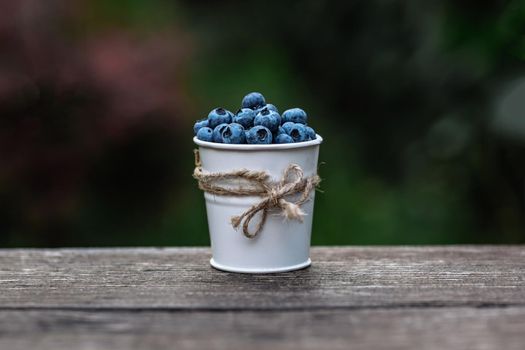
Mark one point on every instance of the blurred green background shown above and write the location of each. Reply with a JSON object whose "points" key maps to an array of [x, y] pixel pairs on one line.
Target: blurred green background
{"points": [[421, 105]]}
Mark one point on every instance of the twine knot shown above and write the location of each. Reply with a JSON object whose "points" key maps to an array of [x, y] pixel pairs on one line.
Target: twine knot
{"points": [[273, 197], [273, 194]]}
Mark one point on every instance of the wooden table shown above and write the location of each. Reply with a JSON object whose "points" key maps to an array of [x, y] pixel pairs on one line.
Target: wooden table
{"points": [[456, 297]]}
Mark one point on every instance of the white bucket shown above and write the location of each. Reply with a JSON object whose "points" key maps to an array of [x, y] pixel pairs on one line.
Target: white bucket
{"points": [[282, 245]]}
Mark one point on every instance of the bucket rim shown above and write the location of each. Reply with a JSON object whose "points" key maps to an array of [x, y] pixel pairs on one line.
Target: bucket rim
{"points": [[245, 147]]}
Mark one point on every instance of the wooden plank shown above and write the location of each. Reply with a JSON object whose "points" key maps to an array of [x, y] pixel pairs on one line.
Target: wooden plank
{"points": [[339, 278], [424, 328]]}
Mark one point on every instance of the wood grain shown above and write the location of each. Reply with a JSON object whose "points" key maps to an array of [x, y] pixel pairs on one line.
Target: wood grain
{"points": [[339, 277], [455, 297], [404, 328]]}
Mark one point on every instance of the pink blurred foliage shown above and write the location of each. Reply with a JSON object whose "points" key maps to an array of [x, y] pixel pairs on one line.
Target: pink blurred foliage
{"points": [[66, 92]]}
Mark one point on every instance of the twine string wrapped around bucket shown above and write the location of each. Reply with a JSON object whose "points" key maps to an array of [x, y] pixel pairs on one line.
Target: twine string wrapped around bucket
{"points": [[273, 194]]}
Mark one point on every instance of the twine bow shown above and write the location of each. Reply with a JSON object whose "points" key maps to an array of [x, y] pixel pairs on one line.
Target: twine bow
{"points": [[259, 184]]}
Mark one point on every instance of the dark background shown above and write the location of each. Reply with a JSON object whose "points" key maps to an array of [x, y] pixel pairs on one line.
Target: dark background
{"points": [[421, 105]]}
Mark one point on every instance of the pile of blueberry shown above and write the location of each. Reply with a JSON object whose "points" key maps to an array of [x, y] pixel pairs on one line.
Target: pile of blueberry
{"points": [[255, 123]]}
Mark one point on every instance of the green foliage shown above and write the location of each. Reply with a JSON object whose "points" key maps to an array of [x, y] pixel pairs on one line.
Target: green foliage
{"points": [[403, 93]]}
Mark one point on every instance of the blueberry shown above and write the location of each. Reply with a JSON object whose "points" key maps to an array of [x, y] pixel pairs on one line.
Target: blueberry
{"points": [[199, 124], [283, 138], [269, 119], [295, 115], [245, 117], [259, 135], [287, 127], [253, 100], [310, 132], [219, 116], [298, 133], [272, 107], [217, 132], [279, 131], [268, 106], [233, 133], [205, 134]]}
